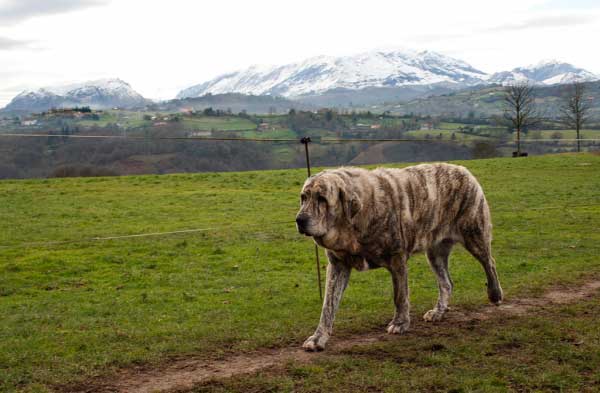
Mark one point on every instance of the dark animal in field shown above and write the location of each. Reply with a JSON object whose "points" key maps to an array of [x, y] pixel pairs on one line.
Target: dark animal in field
{"points": [[368, 219]]}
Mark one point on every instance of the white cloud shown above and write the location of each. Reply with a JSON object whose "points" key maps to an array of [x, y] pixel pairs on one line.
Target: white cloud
{"points": [[549, 21], [10, 44], [14, 11], [160, 47]]}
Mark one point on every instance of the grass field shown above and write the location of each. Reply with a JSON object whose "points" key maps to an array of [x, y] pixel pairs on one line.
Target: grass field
{"points": [[276, 134], [224, 123], [129, 119], [555, 350], [71, 311], [447, 135], [452, 126], [126, 119], [570, 134]]}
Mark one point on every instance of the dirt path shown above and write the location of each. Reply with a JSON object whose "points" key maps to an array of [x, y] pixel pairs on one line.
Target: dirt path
{"points": [[185, 373]]}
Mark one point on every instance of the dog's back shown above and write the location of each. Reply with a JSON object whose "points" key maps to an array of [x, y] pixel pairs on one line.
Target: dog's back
{"points": [[424, 203], [439, 200]]}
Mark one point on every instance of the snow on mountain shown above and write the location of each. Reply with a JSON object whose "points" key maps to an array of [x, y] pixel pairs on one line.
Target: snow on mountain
{"points": [[546, 72], [98, 94], [324, 73]]}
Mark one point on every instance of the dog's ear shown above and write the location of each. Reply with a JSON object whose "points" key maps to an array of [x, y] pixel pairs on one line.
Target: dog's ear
{"points": [[350, 202]]}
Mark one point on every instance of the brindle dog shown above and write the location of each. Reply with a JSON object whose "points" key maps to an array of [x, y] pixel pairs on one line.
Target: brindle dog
{"points": [[369, 219]]}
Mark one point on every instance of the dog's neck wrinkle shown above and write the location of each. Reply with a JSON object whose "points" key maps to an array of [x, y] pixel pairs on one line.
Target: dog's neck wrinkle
{"points": [[343, 238]]}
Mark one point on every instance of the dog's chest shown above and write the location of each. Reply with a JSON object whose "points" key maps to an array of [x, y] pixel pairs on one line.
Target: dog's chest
{"points": [[362, 264]]}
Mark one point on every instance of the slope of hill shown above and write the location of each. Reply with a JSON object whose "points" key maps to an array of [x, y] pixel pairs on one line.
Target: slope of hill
{"points": [[488, 100], [235, 102], [98, 94]]}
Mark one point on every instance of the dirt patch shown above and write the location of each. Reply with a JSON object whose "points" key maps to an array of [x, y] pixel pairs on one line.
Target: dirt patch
{"points": [[563, 296], [185, 373]]}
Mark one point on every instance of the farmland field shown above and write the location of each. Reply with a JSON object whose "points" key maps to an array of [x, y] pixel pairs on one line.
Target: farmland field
{"points": [[446, 135], [129, 119], [75, 310], [570, 134], [225, 123], [125, 119]]}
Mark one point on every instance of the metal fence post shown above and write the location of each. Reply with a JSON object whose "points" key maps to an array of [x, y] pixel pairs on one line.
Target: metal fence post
{"points": [[305, 141]]}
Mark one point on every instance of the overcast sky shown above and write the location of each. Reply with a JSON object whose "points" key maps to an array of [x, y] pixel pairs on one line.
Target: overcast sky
{"points": [[160, 47]]}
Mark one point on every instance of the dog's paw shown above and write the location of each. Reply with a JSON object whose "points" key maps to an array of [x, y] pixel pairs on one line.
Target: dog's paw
{"points": [[434, 315], [315, 343], [398, 327]]}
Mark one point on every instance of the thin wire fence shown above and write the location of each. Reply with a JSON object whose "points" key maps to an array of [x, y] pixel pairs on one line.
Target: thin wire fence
{"points": [[43, 243], [306, 141], [49, 243], [316, 140]]}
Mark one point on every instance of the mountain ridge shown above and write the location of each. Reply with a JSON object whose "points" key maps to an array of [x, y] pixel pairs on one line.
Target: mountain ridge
{"points": [[378, 69], [545, 72], [323, 73], [97, 94], [368, 78]]}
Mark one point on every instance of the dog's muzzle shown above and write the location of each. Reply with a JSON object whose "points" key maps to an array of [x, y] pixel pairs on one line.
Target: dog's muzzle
{"points": [[301, 223]]}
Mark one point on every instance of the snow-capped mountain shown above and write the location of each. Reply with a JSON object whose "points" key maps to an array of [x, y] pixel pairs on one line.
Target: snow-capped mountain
{"points": [[97, 94], [377, 69], [547, 72], [377, 76]]}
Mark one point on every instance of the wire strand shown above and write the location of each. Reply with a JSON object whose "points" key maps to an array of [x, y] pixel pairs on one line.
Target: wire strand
{"points": [[142, 138], [217, 228], [315, 140], [136, 235]]}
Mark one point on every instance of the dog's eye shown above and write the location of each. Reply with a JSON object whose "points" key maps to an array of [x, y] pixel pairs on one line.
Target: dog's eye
{"points": [[322, 199], [303, 198]]}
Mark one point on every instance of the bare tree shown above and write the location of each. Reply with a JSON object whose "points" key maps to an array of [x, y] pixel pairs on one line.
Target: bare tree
{"points": [[519, 108], [575, 108]]}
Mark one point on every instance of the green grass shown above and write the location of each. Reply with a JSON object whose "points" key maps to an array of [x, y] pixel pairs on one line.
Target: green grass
{"points": [[285, 133], [555, 350], [276, 134], [570, 134], [223, 123], [452, 126], [446, 135], [126, 119], [74, 310], [105, 119]]}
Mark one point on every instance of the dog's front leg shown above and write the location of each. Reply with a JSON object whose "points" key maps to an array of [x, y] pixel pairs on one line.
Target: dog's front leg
{"points": [[399, 270], [338, 275]]}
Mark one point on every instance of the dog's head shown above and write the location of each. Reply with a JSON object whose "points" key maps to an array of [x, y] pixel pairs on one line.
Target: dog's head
{"points": [[327, 204]]}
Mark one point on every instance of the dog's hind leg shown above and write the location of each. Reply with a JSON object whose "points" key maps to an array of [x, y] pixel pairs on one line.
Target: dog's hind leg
{"points": [[338, 275], [399, 270], [480, 247], [438, 260]]}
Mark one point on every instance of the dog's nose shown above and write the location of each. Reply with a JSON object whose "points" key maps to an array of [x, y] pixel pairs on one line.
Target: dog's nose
{"points": [[301, 220]]}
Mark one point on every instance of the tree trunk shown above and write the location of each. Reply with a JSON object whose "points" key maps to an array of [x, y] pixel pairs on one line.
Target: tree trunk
{"points": [[518, 141]]}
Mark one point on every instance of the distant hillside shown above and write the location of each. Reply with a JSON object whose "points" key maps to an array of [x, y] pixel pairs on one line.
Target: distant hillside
{"points": [[487, 101], [98, 94], [235, 102], [346, 98]]}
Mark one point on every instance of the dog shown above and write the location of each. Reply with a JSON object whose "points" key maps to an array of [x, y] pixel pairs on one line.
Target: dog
{"points": [[370, 219]]}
